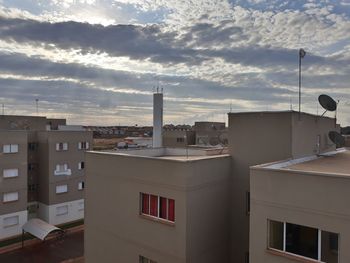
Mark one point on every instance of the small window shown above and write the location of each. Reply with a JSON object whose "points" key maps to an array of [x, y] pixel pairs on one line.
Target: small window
{"points": [[81, 166], [276, 235], [11, 221], [60, 189], [10, 197], [10, 173], [81, 206], [83, 145], [32, 146], [61, 146], [31, 167], [81, 186], [247, 198], [10, 148], [180, 139], [146, 260], [62, 210]]}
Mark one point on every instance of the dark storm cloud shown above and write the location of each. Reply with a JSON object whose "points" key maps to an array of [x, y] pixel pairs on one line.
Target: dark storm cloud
{"points": [[150, 43], [136, 42], [251, 88]]}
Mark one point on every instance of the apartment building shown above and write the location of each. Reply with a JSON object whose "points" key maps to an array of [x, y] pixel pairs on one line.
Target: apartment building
{"points": [[220, 212], [178, 138], [210, 133], [31, 154], [262, 137], [157, 205], [13, 182], [300, 211]]}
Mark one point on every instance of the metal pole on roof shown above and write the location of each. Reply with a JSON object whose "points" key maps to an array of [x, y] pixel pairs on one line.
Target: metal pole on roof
{"points": [[302, 54]]}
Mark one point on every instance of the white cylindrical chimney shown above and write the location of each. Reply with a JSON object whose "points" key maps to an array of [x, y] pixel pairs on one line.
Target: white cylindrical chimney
{"points": [[157, 119]]}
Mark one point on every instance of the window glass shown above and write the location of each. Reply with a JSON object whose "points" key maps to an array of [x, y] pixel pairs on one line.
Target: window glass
{"points": [[154, 205], [61, 210], [9, 197], [276, 235], [302, 240], [329, 247], [163, 208], [7, 173], [145, 204], [11, 221], [171, 210]]}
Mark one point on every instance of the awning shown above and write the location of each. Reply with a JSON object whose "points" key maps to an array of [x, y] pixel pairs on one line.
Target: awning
{"points": [[39, 228]]}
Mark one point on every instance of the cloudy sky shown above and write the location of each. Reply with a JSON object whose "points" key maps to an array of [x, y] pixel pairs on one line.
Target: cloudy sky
{"points": [[97, 61]]}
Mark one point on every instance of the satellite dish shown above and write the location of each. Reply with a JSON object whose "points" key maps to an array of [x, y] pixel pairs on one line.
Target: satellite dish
{"points": [[327, 103], [336, 138]]}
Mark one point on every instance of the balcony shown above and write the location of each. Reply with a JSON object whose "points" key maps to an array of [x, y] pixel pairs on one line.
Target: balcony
{"points": [[63, 172]]}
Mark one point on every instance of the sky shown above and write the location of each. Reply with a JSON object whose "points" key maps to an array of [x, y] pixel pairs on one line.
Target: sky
{"points": [[97, 62]]}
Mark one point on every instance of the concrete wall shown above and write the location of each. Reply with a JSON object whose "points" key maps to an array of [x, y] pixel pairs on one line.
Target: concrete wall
{"points": [[262, 137], [14, 161], [295, 197], [115, 230], [12, 122], [72, 157]]}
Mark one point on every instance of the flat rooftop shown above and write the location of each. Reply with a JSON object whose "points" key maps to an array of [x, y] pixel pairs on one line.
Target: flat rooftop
{"points": [[174, 154], [332, 163]]}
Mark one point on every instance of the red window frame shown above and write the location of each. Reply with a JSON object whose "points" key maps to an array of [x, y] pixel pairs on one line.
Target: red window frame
{"points": [[157, 207]]}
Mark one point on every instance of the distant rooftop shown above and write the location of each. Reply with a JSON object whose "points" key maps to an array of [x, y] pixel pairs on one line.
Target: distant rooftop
{"points": [[175, 154], [278, 112], [332, 163]]}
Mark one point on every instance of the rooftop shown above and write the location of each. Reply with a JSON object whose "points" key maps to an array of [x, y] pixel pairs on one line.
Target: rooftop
{"points": [[332, 163], [174, 154]]}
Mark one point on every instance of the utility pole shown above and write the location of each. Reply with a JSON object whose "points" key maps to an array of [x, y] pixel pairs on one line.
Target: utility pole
{"points": [[302, 54]]}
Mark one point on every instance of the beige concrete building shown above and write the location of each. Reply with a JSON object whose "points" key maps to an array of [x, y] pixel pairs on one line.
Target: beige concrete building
{"points": [[178, 138], [300, 211], [261, 137], [157, 205], [210, 133], [211, 194], [42, 172]]}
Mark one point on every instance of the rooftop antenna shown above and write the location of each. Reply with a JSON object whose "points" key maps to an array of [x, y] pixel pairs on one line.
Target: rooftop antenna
{"points": [[37, 106], [3, 109], [231, 106], [302, 54], [327, 103]]}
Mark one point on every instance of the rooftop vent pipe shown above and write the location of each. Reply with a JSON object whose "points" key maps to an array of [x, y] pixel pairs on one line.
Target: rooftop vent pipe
{"points": [[157, 118]]}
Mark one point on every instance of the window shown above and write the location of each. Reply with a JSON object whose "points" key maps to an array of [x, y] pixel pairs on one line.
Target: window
{"points": [[247, 198], [31, 167], [303, 241], [81, 165], [9, 173], [33, 187], [62, 169], [10, 197], [80, 185], [11, 221], [81, 206], [32, 146], [61, 146], [157, 206], [146, 260], [180, 139], [10, 148], [60, 189], [61, 210], [83, 145]]}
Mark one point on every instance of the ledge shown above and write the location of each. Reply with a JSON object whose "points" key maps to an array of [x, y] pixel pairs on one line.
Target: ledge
{"points": [[158, 220], [291, 256]]}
